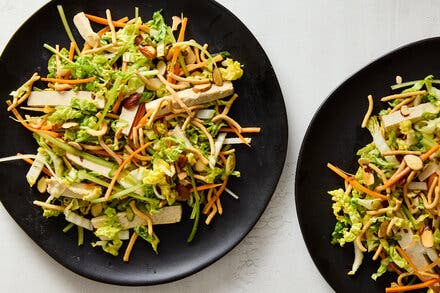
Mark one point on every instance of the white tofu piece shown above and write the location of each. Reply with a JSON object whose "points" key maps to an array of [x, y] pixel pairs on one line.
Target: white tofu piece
{"points": [[82, 23], [415, 249], [415, 113], [166, 215], [128, 115], [190, 98], [54, 98], [86, 164]]}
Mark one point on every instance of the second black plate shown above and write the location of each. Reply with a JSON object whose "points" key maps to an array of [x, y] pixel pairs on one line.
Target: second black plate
{"points": [[334, 135]]}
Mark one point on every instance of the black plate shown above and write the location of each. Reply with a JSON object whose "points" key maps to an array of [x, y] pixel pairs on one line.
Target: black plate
{"points": [[334, 135], [260, 104]]}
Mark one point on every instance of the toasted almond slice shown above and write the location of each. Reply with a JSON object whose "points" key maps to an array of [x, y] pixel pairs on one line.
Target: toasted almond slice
{"points": [[427, 238], [200, 88], [414, 162], [217, 77], [190, 57], [68, 125], [368, 177]]}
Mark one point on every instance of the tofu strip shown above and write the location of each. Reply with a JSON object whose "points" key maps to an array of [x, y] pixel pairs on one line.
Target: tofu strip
{"points": [[190, 98]]}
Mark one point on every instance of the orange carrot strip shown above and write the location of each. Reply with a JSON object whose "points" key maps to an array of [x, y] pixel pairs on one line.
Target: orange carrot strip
{"points": [[243, 130], [403, 254], [396, 178], [26, 125], [68, 81], [235, 130], [356, 184], [117, 103], [121, 167], [71, 51], [412, 265], [137, 118], [426, 155], [30, 162], [215, 197], [205, 186], [118, 23], [177, 49], [412, 287]]}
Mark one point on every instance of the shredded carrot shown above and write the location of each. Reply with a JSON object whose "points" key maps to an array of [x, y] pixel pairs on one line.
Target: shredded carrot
{"points": [[118, 23], [71, 51], [406, 257], [215, 197], [393, 180], [205, 186], [130, 245], [426, 155], [412, 287], [138, 117], [177, 49], [243, 130], [26, 125], [235, 130], [121, 167], [30, 162], [117, 103], [356, 184], [68, 81]]}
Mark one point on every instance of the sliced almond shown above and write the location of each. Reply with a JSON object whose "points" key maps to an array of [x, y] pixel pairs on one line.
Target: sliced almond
{"points": [[42, 185], [161, 67], [148, 51], [414, 162], [217, 77], [182, 175], [75, 145], [404, 111], [68, 125], [367, 177], [96, 209], [200, 88], [427, 238], [190, 57]]}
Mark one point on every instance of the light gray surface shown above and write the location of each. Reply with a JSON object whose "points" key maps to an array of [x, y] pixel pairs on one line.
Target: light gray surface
{"points": [[313, 46]]}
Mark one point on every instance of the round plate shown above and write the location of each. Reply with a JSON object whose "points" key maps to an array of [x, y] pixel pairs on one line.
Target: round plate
{"points": [[334, 135], [260, 104]]}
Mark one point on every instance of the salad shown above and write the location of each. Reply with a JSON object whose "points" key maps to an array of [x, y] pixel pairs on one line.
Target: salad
{"points": [[390, 206], [130, 126]]}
